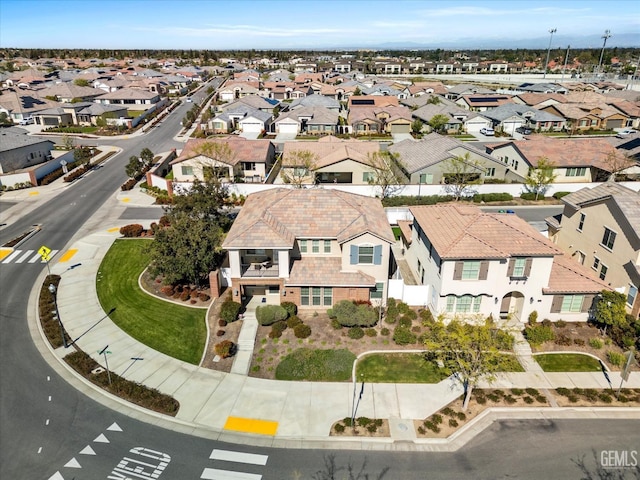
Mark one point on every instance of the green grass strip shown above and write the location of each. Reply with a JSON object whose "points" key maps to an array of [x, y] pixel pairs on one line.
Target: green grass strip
{"points": [[174, 330], [567, 362], [316, 365], [399, 368]]}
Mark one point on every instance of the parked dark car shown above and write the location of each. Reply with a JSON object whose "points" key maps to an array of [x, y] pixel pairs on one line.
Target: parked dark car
{"points": [[523, 130]]}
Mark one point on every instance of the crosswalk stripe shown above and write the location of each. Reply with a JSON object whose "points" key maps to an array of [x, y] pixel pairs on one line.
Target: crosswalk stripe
{"points": [[35, 258], [12, 256], [240, 457], [24, 257], [216, 474]]}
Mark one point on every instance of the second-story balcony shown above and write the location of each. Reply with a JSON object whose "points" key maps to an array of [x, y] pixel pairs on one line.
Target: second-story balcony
{"points": [[260, 269]]}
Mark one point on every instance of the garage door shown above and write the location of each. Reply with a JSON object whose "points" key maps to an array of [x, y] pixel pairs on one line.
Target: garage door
{"points": [[400, 128], [288, 128], [614, 124], [510, 127], [474, 127], [251, 127]]}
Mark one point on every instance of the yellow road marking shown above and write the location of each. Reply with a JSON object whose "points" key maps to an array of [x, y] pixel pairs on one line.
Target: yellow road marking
{"points": [[126, 200], [34, 193], [251, 425], [68, 254], [114, 229], [4, 252]]}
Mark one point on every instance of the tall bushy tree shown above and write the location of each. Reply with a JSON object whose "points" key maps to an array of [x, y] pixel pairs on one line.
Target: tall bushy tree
{"points": [[610, 309], [191, 245]]}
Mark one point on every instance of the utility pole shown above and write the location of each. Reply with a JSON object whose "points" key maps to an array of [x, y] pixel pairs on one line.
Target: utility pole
{"points": [[605, 37], [566, 60], [546, 64]]}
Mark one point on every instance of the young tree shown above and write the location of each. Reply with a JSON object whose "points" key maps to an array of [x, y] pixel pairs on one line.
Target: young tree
{"points": [[434, 100], [68, 142], [81, 82], [539, 178], [460, 174], [146, 156], [416, 126], [387, 172], [298, 167], [610, 309], [615, 163], [134, 167], [82, 154], [5, 120], [471, 351], [438, 121]]}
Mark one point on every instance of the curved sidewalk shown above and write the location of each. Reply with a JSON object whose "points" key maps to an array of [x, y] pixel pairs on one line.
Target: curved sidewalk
{"points": [[238, 408]]}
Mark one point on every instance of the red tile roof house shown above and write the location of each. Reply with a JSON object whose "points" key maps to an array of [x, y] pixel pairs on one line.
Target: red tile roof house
{"points": [[313, 247], [576, 160], [249, 160], [478, 263]]}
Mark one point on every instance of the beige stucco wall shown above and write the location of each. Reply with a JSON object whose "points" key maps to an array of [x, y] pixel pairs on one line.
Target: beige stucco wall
{"points": [[197, 163], [356, 168]]}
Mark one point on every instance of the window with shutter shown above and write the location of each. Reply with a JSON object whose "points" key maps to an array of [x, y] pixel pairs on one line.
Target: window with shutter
{"points": [[457, 271], [484, 270], [556, 303]]}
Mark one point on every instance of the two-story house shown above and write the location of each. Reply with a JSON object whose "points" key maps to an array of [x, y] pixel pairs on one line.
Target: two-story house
{"points": [[600, 229], [313, 247], [494, 264]]}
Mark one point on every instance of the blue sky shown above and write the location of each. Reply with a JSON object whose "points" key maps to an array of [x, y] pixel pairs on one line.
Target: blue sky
{"points": [[293, 24]]}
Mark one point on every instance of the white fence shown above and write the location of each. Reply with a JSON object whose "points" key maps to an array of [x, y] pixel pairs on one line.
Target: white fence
{"points": [[413, 295], [515, 189]]}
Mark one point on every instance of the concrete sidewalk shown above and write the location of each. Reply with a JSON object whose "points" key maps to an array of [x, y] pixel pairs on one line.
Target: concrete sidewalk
{"points": [[295, 414]]}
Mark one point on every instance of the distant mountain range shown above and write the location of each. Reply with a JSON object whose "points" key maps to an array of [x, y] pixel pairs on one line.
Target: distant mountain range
{"points": [[623, 40]]}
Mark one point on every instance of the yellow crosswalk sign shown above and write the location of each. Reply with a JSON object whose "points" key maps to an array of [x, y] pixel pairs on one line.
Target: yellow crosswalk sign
{"points": [[44, 253]]}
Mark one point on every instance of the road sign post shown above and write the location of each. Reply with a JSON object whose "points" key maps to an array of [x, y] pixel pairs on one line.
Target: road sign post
{"points": [[624, 374], [104, 352]]}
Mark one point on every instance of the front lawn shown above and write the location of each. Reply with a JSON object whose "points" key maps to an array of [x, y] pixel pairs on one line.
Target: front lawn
{"points": [[399, 368], [567, 362], [174, 330], [316, 365]]}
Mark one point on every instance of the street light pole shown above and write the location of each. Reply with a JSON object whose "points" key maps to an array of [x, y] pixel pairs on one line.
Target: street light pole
{"points": [[53, 290], [605, 37], [546, 64], [566, 59]]}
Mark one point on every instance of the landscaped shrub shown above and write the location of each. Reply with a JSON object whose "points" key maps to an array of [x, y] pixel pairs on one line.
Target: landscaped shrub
{"points": [[302, 331], [269, 314], [559, 195], [275, 333], [561, 324], [404, 321], [539, 334], [578, 341], [371, 332], [356, 333], [339, 428], [131, 231], [426, 317], [596, 343], [290, 307], [563, 340], [293, 320], [336, 324], [229, 310], [531, 196], [533, 318], [385, 331], [615, 358], [220, 333], [204, 297], [492, 197], [453, 422], [349, 314], [403, 336], [222, 323], [167, 290], [225, 348], [546, 322], [279, 325]]}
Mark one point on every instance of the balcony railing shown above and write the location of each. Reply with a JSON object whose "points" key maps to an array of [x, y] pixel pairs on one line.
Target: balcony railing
{"points": [[264, 269]]}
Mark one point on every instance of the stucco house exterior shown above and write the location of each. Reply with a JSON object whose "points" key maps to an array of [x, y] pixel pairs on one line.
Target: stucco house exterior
{"points": [[478, 263], [244, 160], [19, 150], [336, 247], [600, 229]]}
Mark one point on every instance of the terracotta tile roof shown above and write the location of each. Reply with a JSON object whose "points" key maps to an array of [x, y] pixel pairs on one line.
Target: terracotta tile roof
{"points": [[465, 232], [368, 101], [564, 152], [537, 98], [316, 271], [331, 150], [276, 217], [405, 229], [568, 276], [243, 150]]}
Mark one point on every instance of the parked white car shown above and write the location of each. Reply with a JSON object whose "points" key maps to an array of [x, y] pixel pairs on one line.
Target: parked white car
{"points": [[625, 133], [489, 132], [26, 121]]}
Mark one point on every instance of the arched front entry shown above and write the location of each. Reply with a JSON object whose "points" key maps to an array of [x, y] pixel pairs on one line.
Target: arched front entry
{"points": [[512, 304]]}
